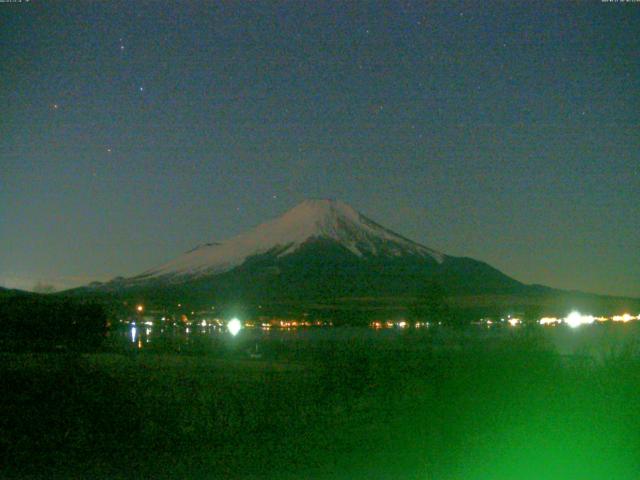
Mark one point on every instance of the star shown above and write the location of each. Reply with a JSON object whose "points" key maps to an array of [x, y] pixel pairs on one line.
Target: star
{"points": [[141, 89], [54, 106], [376, 109], [108, 150]]}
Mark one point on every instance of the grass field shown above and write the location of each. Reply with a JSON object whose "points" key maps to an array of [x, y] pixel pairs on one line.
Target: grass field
{"points": [[512, 408]]}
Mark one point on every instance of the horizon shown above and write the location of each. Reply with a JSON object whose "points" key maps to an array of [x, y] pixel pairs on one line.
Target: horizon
{"points": [[62, 284]]}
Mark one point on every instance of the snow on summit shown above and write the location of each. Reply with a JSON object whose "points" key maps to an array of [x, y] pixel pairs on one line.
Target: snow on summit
{"points": [[311, 219]]}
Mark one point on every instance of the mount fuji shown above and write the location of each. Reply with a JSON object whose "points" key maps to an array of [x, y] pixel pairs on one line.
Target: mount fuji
{"points": [[311, 222], [320, 252]]}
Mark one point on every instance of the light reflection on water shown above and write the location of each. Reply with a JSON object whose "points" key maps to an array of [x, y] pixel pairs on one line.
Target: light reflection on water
{"points": [[164, 337], [593, 341], [213, 338]]}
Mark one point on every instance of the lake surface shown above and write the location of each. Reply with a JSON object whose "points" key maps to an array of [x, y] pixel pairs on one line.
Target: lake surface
{"points": [[596, 341]]}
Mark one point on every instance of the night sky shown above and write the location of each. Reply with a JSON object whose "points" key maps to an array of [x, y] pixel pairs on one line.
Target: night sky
{"points": [[504, 131]]}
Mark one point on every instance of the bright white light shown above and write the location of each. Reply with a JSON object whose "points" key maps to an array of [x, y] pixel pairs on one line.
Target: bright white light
{"points": [[514, 322], [134, 331], [575, 319], [402, 324], [234, 326], [203, 323]]}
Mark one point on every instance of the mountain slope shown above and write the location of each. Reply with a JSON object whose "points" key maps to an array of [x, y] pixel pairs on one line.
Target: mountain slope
{"points": [[321, 251], [309, 221]]}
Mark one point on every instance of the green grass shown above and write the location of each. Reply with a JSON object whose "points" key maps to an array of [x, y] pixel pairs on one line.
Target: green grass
{"points": [[507, 409]]}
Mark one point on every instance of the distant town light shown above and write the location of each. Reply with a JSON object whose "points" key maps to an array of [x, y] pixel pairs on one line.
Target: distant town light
{"points": [[549, 321], [514, 321], [234, 326], [626, 317]]}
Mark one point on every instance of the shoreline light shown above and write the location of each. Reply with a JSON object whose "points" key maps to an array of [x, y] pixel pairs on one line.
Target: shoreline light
{"points": [[549, 321], [626, 317]]}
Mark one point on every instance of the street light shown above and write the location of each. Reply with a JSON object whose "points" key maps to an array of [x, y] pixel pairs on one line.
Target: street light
{"points": [[234, 326]]}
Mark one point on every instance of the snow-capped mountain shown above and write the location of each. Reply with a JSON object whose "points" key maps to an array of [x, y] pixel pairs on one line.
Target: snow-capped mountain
{"points": [[321, 252], [312, 220], [324, 259]]}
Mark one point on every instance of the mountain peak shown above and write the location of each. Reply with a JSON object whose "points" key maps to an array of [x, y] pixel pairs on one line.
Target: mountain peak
{"points": [[323, 205], [313, 219], [316, 217], [318, 209]]}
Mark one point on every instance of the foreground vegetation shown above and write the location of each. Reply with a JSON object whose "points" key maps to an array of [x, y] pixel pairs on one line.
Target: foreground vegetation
{"points": [[32, 322], [400, 410]]}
